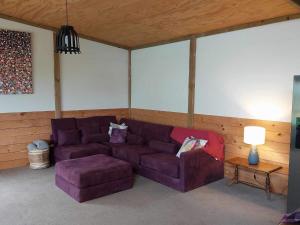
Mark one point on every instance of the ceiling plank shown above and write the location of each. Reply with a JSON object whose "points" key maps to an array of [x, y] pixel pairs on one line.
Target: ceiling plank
{"points": [[136, 23], [18, 20], [223, 30]]}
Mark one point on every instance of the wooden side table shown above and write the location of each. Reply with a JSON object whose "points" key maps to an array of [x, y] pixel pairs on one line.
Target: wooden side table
{"points": [[263, 168]]}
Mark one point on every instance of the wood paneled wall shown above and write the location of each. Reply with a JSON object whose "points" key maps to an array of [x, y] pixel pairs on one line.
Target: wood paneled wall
{"points": [[19, 129], [161, 117], [275, 150]]}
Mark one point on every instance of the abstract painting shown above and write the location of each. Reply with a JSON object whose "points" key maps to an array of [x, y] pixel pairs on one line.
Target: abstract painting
{"points": [[15, 62]]}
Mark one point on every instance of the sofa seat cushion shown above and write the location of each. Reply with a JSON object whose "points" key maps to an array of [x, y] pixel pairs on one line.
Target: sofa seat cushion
{"points": [[164, 163], [93, 170], [78, 151], [131, 153]]}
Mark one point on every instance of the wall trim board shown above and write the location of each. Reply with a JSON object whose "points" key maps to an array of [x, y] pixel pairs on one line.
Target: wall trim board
{"points": [[223, 30], [275, 150], [192, 77], [129, 80], [118, 112], [57, 85], [87, 37], [19, 129]]}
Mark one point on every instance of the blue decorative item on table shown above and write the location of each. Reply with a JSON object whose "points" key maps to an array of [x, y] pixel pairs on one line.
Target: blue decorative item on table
{"points": [[254, 136]]}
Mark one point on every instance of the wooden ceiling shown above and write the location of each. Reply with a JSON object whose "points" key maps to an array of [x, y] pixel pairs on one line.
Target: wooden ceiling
{"points": [[135, 23]]}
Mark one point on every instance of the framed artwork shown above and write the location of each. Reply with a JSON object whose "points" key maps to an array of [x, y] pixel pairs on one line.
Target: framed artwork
{"points": [[15, 62]]}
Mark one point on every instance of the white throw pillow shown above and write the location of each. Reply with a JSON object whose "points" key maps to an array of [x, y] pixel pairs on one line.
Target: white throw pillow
{"points": [[188, 144], [114, 125], [200, 143]]}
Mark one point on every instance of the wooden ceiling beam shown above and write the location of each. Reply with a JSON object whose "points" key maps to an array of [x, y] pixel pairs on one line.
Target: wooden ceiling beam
{"points": [[87, 37], [223, 30]]}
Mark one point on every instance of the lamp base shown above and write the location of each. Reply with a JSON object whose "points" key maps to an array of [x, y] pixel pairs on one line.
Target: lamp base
{"points": [[253, 158]]}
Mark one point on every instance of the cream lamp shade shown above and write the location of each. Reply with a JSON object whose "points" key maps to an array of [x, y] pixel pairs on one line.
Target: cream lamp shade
{"points": [[254, 135]]}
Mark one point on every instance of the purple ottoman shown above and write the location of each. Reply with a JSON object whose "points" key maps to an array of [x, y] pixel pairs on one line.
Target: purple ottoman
{"points": [[93, 176]]}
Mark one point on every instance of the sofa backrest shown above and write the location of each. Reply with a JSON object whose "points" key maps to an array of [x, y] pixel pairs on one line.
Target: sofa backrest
{"points": [[87, 122], [149, 131], [102, 122], [134, 126], [105, 121], [158, 132], [62, 124], [214, 146], [72, 123]]}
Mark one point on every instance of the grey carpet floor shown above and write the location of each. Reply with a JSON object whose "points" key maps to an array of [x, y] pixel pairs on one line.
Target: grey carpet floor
{"points": [[30, 197]]}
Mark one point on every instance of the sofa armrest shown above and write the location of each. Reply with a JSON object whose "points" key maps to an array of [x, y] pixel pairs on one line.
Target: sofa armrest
{"points": [[198, 168]]}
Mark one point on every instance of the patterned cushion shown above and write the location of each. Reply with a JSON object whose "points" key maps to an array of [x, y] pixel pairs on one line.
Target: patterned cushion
{"points": [[188, 144], [118, 136]]}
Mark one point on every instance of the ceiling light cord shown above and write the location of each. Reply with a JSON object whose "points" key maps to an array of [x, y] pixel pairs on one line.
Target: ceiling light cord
{"points": [[67, 16]]}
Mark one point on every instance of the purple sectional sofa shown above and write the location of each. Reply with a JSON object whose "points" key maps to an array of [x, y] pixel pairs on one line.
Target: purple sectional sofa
{"points": [[79, 150], [151, 151]]}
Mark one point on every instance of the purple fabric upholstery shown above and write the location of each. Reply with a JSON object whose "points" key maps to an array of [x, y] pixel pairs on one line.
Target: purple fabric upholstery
{"points": [[92, 170], [89, 122], [134, 139], [118, 136], [94, 138], [130, 153], [163, 146], [89, 193], [90, 130], [104, 122], [78, 151], [62, 124], [68, 137], [164, 163], [134, 126], [94, 176], [198, 168], [156, 132]]}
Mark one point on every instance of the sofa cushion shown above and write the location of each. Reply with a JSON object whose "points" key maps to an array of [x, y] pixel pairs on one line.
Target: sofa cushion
{"points": [[88, 122], [163, 146], [94, 138], [134, 126], [118, 136], [61, 124], [156, 132], [134, 139], [68, 137], [78, 151], [104, 122], [164, 163], [130, 153], [93, 170]]}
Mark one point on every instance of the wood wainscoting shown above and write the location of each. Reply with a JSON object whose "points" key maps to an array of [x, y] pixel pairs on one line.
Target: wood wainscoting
{"points": [[161, 117], [19, 129], [275, 150]]}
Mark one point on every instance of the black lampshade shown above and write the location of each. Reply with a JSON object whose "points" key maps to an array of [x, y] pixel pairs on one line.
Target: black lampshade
{"points": [[67, 40]]}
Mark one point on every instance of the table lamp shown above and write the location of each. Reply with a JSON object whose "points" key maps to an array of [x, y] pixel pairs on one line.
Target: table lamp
{"points": [[254, 136]]}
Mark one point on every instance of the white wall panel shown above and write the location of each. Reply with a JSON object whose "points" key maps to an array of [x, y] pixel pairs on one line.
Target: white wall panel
{"points": [[95, 79], [248, 73], [160, 77]]}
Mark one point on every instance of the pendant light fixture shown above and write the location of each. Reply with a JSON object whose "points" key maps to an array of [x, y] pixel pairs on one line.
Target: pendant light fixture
{"points": [[67, 39]]}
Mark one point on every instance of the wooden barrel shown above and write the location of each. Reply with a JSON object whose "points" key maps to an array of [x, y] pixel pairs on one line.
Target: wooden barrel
{"points": [[39, 159]]}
